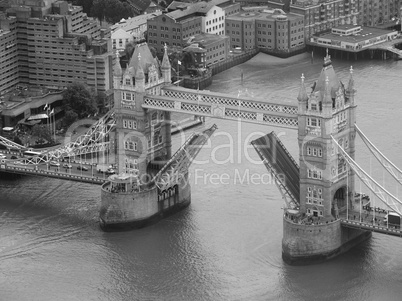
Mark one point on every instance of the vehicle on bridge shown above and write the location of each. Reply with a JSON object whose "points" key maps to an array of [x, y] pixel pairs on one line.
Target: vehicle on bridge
{"points": [[54, 163], [393, 219], [104, 167], [83, 168], [68, 166], [110, 171], [31, 153]]}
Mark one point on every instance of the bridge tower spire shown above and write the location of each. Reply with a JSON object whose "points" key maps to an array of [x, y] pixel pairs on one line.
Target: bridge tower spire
{"points": [[166, 67], [324, 183], [117, 72]]}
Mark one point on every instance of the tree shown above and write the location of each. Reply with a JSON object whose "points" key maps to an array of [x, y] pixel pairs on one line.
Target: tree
{"points": [[129, 50], [101, 101], [86, 5], [69, 117], [79, 99], [111, 11], [42, 132], [17, 140], [153, 51], [189, 59]]}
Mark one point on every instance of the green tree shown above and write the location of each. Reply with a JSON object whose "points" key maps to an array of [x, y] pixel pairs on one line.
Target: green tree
{"points": [[79, 99]]}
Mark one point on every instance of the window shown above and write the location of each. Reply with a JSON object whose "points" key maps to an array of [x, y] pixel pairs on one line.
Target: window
{"points": [[314, 152], [309, 151], [154, 118], [125, 124], [130, 144], [314, 174]]}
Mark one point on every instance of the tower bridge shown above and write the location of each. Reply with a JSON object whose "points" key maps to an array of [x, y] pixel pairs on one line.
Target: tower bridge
{"points": [[151, 183]]}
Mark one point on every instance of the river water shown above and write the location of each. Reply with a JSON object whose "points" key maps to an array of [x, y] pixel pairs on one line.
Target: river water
{"points": [[227, 244]]}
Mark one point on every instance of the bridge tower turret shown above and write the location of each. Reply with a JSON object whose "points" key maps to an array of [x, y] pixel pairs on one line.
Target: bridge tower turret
{"points": [[326, 183]]}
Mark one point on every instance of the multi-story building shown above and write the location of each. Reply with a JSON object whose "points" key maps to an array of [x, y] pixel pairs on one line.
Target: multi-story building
{"points": [[379, 12], [55, 45], [268, 29], [216, 47], [173, 29], [214, 20], [322, 15], [120, 38], [9, 55], [131, 29], [185, 20]]}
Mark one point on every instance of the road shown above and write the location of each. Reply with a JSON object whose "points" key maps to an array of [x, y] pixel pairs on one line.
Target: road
{"points": [[50, 170]]}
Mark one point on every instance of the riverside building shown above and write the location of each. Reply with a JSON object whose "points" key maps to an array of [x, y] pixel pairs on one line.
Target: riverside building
{"points": [[266, 29], [52, 44]]}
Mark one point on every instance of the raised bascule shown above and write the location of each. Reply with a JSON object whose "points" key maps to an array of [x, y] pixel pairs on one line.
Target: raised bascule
{"points": [[151, 182]]}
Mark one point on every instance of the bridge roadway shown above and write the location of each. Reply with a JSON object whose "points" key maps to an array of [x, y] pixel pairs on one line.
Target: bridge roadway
{"points": [[367, 224], [74, 173], [281, 161], [362, 216]]}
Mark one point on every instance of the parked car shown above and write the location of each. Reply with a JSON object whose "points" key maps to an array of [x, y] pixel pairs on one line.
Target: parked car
{"points": [[54, 163], [81, 167], [14, 157], [66, 165]]}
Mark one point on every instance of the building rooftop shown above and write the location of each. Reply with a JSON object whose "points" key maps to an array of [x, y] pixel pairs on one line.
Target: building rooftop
{"points": [[307, 3], [264, 14], [134, 22], [140, 5], [365, 34], [207, 38], [187, 9]]}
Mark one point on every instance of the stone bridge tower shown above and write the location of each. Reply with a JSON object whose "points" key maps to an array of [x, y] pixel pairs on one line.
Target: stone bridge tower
{"points": [[329, 111], [316, 232], [142, 137]]}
